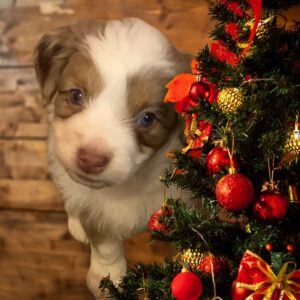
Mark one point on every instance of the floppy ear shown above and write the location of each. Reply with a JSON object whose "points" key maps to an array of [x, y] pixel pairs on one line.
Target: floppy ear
{"points": [[50, 57], [52, 52], [182, 60]]}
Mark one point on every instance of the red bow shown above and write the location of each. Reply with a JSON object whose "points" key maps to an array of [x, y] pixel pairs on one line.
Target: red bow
{"points": [[257, 276]]}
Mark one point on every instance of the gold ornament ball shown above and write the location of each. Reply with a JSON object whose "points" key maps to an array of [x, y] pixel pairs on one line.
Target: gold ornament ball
{"points": [[230, 99], [192, 257], [293, 143]]}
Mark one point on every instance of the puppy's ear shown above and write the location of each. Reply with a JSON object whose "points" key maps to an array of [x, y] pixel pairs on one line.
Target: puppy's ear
{"points": [[50, 58], [182, 60]]}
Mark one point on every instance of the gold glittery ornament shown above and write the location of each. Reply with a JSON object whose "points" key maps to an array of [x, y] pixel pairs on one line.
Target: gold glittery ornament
{"points": [[192, 257], [248, 228], [230, 99], [293, 143], [292, 146]]}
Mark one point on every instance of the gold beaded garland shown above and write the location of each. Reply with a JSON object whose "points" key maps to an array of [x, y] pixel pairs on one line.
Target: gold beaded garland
{"points": [[230, 99], [192, 257]]}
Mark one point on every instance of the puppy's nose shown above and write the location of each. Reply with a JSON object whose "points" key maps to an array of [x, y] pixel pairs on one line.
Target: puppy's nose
{"points": [[90, 161]]}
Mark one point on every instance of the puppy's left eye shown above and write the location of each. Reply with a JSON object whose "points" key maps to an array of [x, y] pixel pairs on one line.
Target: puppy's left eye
{"points": [[76, 96], [146, 119]]}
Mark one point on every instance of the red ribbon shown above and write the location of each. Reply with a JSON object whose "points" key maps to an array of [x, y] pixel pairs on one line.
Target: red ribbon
{"points": [[256, 8], [219, 49]]}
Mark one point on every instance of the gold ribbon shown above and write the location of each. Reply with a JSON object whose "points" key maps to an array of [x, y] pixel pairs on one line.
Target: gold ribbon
{"points": [[281, 282]]}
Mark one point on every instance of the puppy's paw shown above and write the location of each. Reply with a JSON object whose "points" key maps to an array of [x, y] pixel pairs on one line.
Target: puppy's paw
{"points": [[94, 278], [76, 230], [93, 282]]}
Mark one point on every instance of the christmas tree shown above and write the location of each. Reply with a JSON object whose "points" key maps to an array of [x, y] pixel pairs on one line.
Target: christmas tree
{"points": [[240, 105]]}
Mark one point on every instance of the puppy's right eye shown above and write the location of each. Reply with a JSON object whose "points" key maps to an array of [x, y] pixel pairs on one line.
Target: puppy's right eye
{"points": [[76, 96], [146, 119]]}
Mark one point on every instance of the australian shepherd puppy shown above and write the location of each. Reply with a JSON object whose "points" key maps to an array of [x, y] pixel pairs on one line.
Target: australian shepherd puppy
{"points": [[109, 129]]}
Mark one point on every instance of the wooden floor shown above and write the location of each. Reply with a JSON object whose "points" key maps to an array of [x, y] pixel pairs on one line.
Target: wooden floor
{"points": [[38, 258]]}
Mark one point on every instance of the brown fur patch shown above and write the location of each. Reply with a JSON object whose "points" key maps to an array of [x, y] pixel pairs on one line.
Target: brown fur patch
{"points": [[146, 93], [80, 73], [54, 50], [63, 107]]}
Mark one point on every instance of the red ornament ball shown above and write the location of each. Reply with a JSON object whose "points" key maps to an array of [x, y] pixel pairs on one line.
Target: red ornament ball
{"points": [[290, 247], [217, 159], [186, 286], [269, 247], [154, 223], [220, 265], [238, 293], [199, 89], [270, 206], [234, 192]]}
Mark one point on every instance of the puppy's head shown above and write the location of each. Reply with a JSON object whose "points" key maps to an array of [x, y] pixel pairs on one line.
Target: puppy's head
{"points": [[104, 85]]}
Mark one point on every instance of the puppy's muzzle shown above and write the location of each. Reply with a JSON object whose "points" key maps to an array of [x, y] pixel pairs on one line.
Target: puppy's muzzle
{"points": [[91, 161]]}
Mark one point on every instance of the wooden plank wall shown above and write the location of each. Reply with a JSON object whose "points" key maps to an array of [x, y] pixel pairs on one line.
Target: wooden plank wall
{"points": [[38, 258]]}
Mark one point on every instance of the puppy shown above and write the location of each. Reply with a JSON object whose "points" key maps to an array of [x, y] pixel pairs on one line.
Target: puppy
{"points": [[109, 129]]}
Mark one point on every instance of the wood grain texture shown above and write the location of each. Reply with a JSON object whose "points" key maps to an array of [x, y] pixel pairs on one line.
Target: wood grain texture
{"points": [[22, 114], [30, 194], [175, 18], [23, 159], [39, 259]]}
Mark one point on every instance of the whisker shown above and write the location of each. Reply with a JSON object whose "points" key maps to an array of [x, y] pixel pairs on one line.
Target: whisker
{"points": [[126, 121]]}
